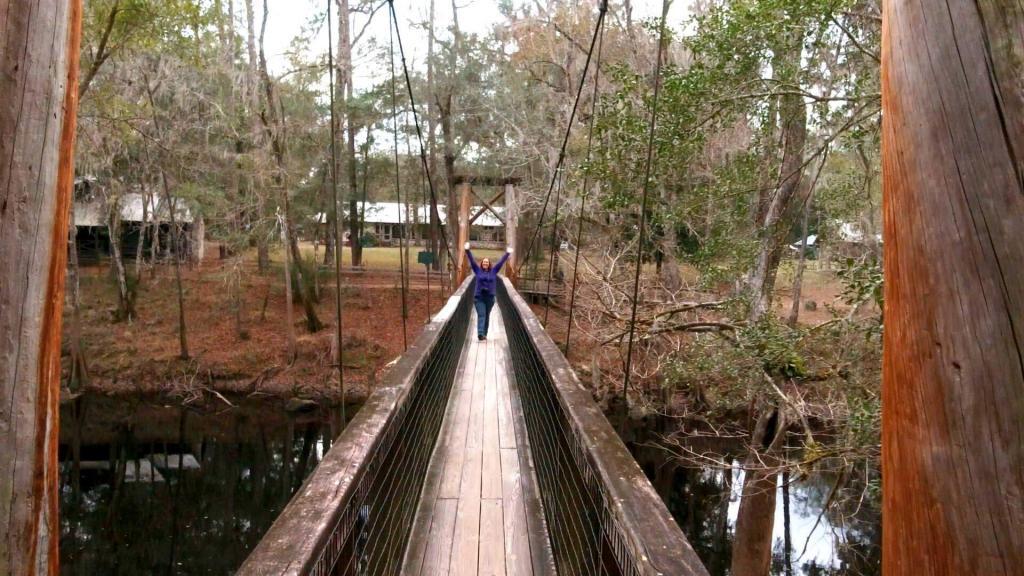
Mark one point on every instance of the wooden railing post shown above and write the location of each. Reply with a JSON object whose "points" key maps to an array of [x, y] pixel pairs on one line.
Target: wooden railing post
{"points": [[953, 370], [465, 189], [511, 231], [39, 51]]}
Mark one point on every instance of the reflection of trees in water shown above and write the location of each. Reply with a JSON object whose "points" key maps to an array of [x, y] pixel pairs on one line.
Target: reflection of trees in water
{"points": [[194, 521], [699, 499]]}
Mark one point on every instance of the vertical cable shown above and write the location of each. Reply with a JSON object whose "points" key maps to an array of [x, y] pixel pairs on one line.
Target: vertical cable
{"points": [[419, 135], [643, 205], [568, 130], [398, 186], [554, 239], [586, 189], [337, 213]]}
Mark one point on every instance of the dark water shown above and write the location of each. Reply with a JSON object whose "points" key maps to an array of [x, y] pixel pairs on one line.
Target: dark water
{"points": [[133, 510], [844, 540]]}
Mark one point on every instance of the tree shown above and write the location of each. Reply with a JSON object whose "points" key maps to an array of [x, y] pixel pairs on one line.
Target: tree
{"points": [[274, 126], [953, 391], [37, 134]]}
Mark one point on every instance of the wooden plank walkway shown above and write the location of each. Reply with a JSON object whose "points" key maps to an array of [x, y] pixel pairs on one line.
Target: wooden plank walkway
{"points": [[480, 512]]}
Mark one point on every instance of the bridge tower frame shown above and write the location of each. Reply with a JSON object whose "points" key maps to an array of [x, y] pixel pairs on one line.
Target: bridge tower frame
{"points": [[464, 186]]}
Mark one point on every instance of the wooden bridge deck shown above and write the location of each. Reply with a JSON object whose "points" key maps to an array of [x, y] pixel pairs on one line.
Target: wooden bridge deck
{"points": [[480, 512]]}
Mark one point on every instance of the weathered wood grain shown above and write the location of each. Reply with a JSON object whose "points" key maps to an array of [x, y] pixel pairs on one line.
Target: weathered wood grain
{"points": [[953, 391], [492, 539], [439, 543], [39, 42], [491, 473], [517, 542], [473, 518]]}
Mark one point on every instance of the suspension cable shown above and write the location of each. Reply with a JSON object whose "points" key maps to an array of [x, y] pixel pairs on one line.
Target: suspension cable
{"points": [[586, 191], [554, 239], [426, 206], [398, 189], [568, 129], [419, 136], [643, 205], [337, 214]]}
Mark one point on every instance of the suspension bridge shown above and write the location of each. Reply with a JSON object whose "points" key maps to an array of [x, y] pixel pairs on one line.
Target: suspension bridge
{"points": [[479, 457]]}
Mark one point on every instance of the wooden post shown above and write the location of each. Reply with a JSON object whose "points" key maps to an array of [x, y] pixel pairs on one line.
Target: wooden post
{"points": [[39, 83], [465, 190], [511, 231], [953, 370]]}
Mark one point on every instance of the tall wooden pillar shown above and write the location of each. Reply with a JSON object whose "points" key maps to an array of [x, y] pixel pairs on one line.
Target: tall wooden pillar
{"points": [[511, 230], [465, 201], [953, 374], [38, 102]]}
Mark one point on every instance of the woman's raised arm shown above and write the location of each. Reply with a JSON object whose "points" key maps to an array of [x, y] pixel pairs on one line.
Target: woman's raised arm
{"points": [[504, 257], [472, 261]]}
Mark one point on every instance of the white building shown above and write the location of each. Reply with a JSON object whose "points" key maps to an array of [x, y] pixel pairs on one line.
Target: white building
{"points": [[387, 220]]}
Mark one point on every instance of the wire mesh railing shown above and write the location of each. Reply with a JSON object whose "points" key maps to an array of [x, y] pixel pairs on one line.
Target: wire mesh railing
{"points": [[353, 515], [603, 515]]}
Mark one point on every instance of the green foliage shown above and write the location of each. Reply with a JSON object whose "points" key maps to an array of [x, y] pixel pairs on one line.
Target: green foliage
{"points": [[775, 344], [863, 281], [719, 374], [369, 240]]}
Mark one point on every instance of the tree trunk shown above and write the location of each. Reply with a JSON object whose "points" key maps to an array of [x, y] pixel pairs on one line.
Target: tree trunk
{"points": [[329, 241], [140, 247], [447, 111], [273, 125], [78, 376], [953, 375], [39, 52], [801, 265], [787, 531], [197, 240], [752, 547], [345, 88], [435, 224], [793, 114], [289, 321], [176, 246], [172, 209], [125, 301], [670, 274], [262, 255], [154, 246], [306, 295]]}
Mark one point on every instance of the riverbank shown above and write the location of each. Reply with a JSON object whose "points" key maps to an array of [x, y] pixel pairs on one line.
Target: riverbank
{"points": [[238, 339]]}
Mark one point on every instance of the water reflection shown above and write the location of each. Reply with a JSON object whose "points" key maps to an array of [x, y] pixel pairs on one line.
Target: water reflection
{"points": [[843, 541], [153, 489]]}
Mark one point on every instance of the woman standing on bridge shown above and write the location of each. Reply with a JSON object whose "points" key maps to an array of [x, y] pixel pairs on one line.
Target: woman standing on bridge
{"points": [[486, 287]]}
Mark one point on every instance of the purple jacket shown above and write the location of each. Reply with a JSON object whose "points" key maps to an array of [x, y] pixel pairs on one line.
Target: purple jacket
{"points": [[486, 279]]}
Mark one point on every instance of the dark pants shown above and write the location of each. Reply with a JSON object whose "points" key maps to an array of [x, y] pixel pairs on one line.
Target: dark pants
{"points": [[483, 304]]}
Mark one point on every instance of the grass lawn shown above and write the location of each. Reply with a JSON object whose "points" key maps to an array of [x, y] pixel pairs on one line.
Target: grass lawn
{"points": [[382, 258]]}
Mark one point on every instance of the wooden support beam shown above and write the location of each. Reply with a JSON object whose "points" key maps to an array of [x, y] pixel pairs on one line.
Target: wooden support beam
{"points": [[464, 192], [511, 231], [953, 374], [39, 51], [488, 206]]}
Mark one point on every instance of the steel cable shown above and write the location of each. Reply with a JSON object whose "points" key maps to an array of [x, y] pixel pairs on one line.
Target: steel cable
{"points": [[568, 129], [398, 191], [337, 228], [643, 205], [419, 136], [586, 193]]}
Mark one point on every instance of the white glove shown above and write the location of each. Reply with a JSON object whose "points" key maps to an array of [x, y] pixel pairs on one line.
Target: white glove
{"points": [[510, 249], [466, 245]]}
